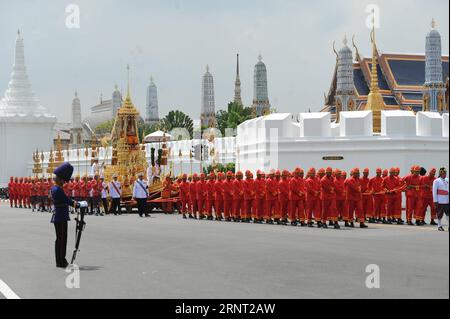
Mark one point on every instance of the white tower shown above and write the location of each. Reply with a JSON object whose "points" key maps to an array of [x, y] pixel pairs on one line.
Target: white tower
{"points": [[116, 100], [261, 104], [434, 87], [345, 88], [208, 115], [151, 106], [237, 85], [24, 123], [76, 131]]}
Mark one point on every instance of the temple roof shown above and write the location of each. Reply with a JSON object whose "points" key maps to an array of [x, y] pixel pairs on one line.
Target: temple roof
{"points": [[401, 79]]}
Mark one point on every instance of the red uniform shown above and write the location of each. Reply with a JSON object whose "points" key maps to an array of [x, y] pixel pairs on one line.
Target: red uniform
{"points": [[218, 197], [201, 196], [376, 185], [210, 199], [238, 198], [341, 198], [184, 197], [297, 196], [228, 192], [283, 198], [427, 196], [313, 203], [12, 191], [391, 185], [354, 199], [77, 189], [413, 192], [367, 198], [66, 189], [271, 198], [193, 197], [249, 198], [260, 190], [328, 197]]}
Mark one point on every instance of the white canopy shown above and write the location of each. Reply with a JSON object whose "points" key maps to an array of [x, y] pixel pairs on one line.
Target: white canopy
{"points": [[157, 136]]}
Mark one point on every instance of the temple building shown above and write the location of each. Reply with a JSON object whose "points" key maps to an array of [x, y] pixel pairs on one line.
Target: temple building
{"points": [[208, 115], [151, 105], [261, 104], [400, 79], [237, 85], [25, 125], [105, 111]]}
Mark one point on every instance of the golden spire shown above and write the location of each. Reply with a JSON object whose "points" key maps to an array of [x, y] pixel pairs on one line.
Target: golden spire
{"points": [[375, 102], [128, 83]]}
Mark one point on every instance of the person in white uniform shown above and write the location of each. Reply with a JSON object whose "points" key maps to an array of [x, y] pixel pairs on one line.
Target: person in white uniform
{"points": [[440, 197], [115, 191], [140, 194]]}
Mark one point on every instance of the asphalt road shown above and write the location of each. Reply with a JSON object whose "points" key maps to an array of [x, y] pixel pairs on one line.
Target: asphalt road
{"points": [[168, 257]]}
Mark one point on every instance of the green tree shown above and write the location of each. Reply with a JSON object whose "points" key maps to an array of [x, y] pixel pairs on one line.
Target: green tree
{"points": [[233, 117], [105, 127], [177, 119]]}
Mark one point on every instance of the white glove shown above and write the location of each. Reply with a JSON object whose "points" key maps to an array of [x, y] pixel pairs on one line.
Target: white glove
{"points": [[83, 204]]}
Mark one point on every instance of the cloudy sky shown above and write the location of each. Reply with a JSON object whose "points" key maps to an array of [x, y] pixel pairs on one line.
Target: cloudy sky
{"points": [[174, 40]]}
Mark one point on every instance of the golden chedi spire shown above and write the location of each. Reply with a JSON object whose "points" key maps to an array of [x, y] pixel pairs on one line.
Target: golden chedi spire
{"points": [[375, 102]]}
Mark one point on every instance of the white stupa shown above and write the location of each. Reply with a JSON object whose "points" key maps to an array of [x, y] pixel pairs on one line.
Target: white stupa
{"points": [[25, 125]]}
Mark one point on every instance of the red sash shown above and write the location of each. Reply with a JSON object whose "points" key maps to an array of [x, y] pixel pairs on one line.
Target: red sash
{"points": [[115, 187], [442, 192]]}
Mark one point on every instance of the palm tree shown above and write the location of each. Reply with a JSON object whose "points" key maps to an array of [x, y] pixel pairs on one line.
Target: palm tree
{"points": [[177, 119]]}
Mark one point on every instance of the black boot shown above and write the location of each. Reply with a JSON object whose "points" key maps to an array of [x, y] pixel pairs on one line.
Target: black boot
{"points": [[362, 225], [347, 224], [324, 225], [336, 225], [352, 225], [433, 223]]}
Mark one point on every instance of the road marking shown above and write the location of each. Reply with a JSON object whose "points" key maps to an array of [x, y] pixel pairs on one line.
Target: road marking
{"points": [[7, 292]]}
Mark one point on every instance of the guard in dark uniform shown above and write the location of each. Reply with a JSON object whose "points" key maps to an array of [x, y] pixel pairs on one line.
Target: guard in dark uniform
{"points": [[61, 214]]}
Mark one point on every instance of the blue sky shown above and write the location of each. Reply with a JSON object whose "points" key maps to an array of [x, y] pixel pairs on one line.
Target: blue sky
{"points": [[173, 40]]}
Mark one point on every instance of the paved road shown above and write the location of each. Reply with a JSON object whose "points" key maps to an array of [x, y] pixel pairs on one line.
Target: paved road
{"points": [[168, 257]]}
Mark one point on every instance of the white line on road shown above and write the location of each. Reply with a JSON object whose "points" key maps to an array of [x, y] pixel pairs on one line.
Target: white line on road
{"points": [[6, 291]]}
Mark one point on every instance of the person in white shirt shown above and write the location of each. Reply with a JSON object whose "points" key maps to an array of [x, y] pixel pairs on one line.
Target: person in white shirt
{"points": [[115, 191], [440, 197], [140, 194], [95, 169]]}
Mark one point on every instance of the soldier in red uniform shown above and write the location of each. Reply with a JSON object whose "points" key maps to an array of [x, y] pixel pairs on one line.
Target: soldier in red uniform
{"points": [[391, 185], [228, 196], [77, 189], [378, 193], [84, 189], [218, 196], [367, 200], [413, 197], [249, 198], [341, 194], [383, 208], [313, 204], [402, 189], [11, 191], [193, 197], [297, 196], [328, 197], [30, 181], [271, 197], [44, 194], [260, 190], [184, 196], [20, 192], [427, 196], [210, 199], [238, 197], [283, 199], [201, 196], [34, 193], [354, 199], [16, 192]]}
